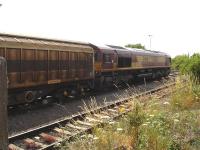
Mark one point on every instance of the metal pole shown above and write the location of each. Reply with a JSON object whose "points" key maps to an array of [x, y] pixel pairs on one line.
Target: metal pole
{"points": [[3, 105], [150, 40]]}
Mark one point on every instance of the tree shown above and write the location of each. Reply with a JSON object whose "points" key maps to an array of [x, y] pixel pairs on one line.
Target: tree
{"points": [[194, 67], [188, 64], [138, 45], [181, 63]]}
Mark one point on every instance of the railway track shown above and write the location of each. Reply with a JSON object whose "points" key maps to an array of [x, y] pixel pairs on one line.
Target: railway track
{"points": [[48, 136]]}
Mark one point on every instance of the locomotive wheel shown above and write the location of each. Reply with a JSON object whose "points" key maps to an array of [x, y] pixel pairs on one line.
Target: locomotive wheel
{"points": [[29, 96]]}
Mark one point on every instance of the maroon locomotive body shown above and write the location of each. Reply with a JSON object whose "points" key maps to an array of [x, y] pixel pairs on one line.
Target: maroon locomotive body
{"points": [[115, 63]]}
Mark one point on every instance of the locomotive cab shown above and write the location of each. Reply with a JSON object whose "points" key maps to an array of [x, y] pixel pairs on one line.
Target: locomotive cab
{"points": [[105, 65], [105, 59]]}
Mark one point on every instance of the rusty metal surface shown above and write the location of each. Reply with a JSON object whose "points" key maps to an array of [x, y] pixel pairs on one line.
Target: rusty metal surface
{"points": [[35, 61], [41, 43], [149, 59], [3, 105]]}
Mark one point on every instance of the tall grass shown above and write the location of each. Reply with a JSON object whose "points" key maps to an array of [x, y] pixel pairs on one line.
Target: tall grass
{"points": [[170, 123], [187, 96]]}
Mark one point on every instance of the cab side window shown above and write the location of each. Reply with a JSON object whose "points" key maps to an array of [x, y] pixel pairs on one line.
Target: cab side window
{"points": [[107, 58], [96, 56]]}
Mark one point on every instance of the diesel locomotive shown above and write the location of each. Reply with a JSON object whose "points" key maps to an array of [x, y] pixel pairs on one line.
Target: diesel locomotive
{"points": [[37, 67]]}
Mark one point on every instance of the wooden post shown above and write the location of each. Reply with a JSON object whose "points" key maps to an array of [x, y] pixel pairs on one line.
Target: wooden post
{"points": [[3, 105]]}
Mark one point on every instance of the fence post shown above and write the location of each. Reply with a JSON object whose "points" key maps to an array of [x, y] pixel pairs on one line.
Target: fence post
{"points": [[3, 105]]}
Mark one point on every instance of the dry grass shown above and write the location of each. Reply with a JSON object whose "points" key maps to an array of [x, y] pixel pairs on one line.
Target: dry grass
{"points": [[172, 123]]}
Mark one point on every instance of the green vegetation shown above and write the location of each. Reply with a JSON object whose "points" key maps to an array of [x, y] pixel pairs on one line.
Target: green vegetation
{"points": [[139, 46], [171, 122], [188, 64], [168, 123]]}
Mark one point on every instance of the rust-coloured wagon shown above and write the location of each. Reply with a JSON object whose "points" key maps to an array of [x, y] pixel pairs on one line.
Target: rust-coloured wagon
{"points": [[37, 67]]}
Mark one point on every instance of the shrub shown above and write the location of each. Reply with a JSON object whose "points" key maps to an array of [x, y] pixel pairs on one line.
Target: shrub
{"points": [[188, 65]]}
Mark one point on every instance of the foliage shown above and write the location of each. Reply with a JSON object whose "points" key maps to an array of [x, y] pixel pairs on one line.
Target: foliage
{"points": [[139, 46], [188, 64], [195, 65], [181, 63]]}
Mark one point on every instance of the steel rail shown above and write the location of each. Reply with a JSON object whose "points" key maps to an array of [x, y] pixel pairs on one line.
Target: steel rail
{"points": [[48, 128]]}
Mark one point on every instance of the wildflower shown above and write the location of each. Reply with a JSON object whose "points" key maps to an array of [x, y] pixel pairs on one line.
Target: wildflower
{"points": [[83, 136], [155, 122], [166, 103], [37, 138], [147, 122], [111, 122], [119, 129], [151, 115], [122, 109], [177, 114], [176, 120], [90, 136], [144, 124], [95, 138], [57, 144]]}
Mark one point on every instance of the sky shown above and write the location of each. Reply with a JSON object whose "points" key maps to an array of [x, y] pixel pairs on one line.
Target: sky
{"points": [[173, 24]]}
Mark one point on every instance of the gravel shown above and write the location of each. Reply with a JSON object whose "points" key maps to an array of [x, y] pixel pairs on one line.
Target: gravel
{"points": [[22, 119]]}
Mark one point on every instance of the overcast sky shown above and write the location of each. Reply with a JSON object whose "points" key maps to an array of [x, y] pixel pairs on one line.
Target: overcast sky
{"points": [[173, 24]]}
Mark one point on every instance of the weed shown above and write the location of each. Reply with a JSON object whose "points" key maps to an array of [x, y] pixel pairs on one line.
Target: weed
{"points": [[172, 124]]}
